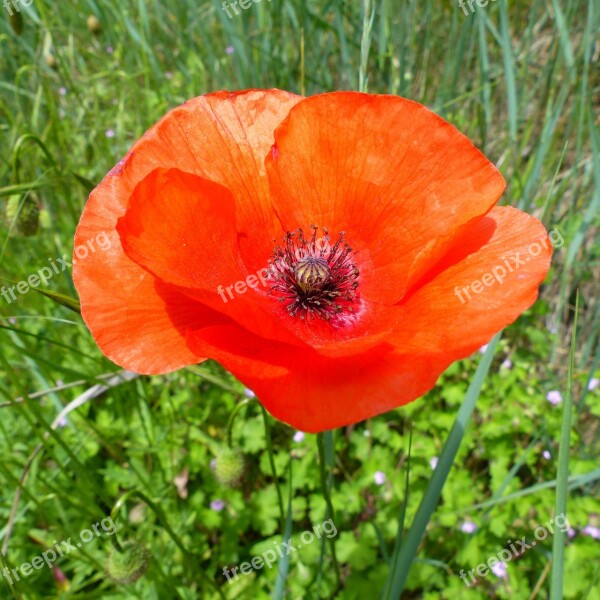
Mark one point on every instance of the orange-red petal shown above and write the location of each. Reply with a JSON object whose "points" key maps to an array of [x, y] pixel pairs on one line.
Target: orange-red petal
{"points": [[222, 137], [181, 227], [398, 179], [193, 203], [446, 314], [314, 393]]}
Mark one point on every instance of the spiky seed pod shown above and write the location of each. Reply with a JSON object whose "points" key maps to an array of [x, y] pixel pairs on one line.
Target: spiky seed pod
{"points": [[129, 565], [26, 220], [229, 466]]}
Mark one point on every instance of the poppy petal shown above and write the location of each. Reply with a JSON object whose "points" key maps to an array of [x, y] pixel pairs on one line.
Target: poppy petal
{"points": [[313, 393], [398, 179], [222, 137], [182, 228], [483, 285]]}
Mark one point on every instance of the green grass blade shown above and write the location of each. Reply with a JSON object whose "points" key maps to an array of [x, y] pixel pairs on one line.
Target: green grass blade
{"points": [[326, 462], [284, 564], [408, 552], [269, 438], [509, 72], [401, 520], [558, 542]]}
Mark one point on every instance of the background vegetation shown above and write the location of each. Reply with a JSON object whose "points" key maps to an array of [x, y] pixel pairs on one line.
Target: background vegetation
{"points": [[522, 80]]}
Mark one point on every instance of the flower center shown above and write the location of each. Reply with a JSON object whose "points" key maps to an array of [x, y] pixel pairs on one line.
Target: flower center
{"points": [[313, 278], [311, 272]]}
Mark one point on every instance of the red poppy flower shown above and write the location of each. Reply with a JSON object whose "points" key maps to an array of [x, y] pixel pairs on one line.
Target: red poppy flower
{"points": [[387, 258]]}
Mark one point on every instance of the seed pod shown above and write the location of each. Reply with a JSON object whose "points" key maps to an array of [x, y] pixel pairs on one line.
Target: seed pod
{"points": [[311, 272], [93, 24], [229, 466], [128, 565], [16, 22], [50, 60], [25, 214]]}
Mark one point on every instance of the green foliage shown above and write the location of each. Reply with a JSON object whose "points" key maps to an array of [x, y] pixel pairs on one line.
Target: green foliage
{"points": [[520, 79]]}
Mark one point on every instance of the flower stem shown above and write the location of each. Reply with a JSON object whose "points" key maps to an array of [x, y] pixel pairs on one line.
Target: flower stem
{"points": [[268, 436], [325, 446], [232, 417]]}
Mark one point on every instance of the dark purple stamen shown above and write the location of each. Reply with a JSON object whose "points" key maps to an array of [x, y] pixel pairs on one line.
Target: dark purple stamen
{"points": [[313, 278]]}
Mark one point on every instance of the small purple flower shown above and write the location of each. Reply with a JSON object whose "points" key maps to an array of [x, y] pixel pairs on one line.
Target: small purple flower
{"points": [[109, 133], [554, 397], [169, 75], [63, 422], [571, 532], [499, 569], [229, 50], [62, 91], [379, 477], [299, 437], [483, 348], [593, 384], [546, 454], [249, 393], [591, 531], [468, 527], [217, 505], [109, 49], [506, 364], [433, 462], [212, 463]]}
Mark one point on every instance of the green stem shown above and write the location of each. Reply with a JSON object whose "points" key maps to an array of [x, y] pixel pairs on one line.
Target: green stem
{"points": [[325, 446], [232, 417], [268, 436], [562, 476], [365, 45]]}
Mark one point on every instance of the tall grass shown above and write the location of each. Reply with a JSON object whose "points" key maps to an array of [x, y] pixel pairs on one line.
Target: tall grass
{"points": [[521, 79]]}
